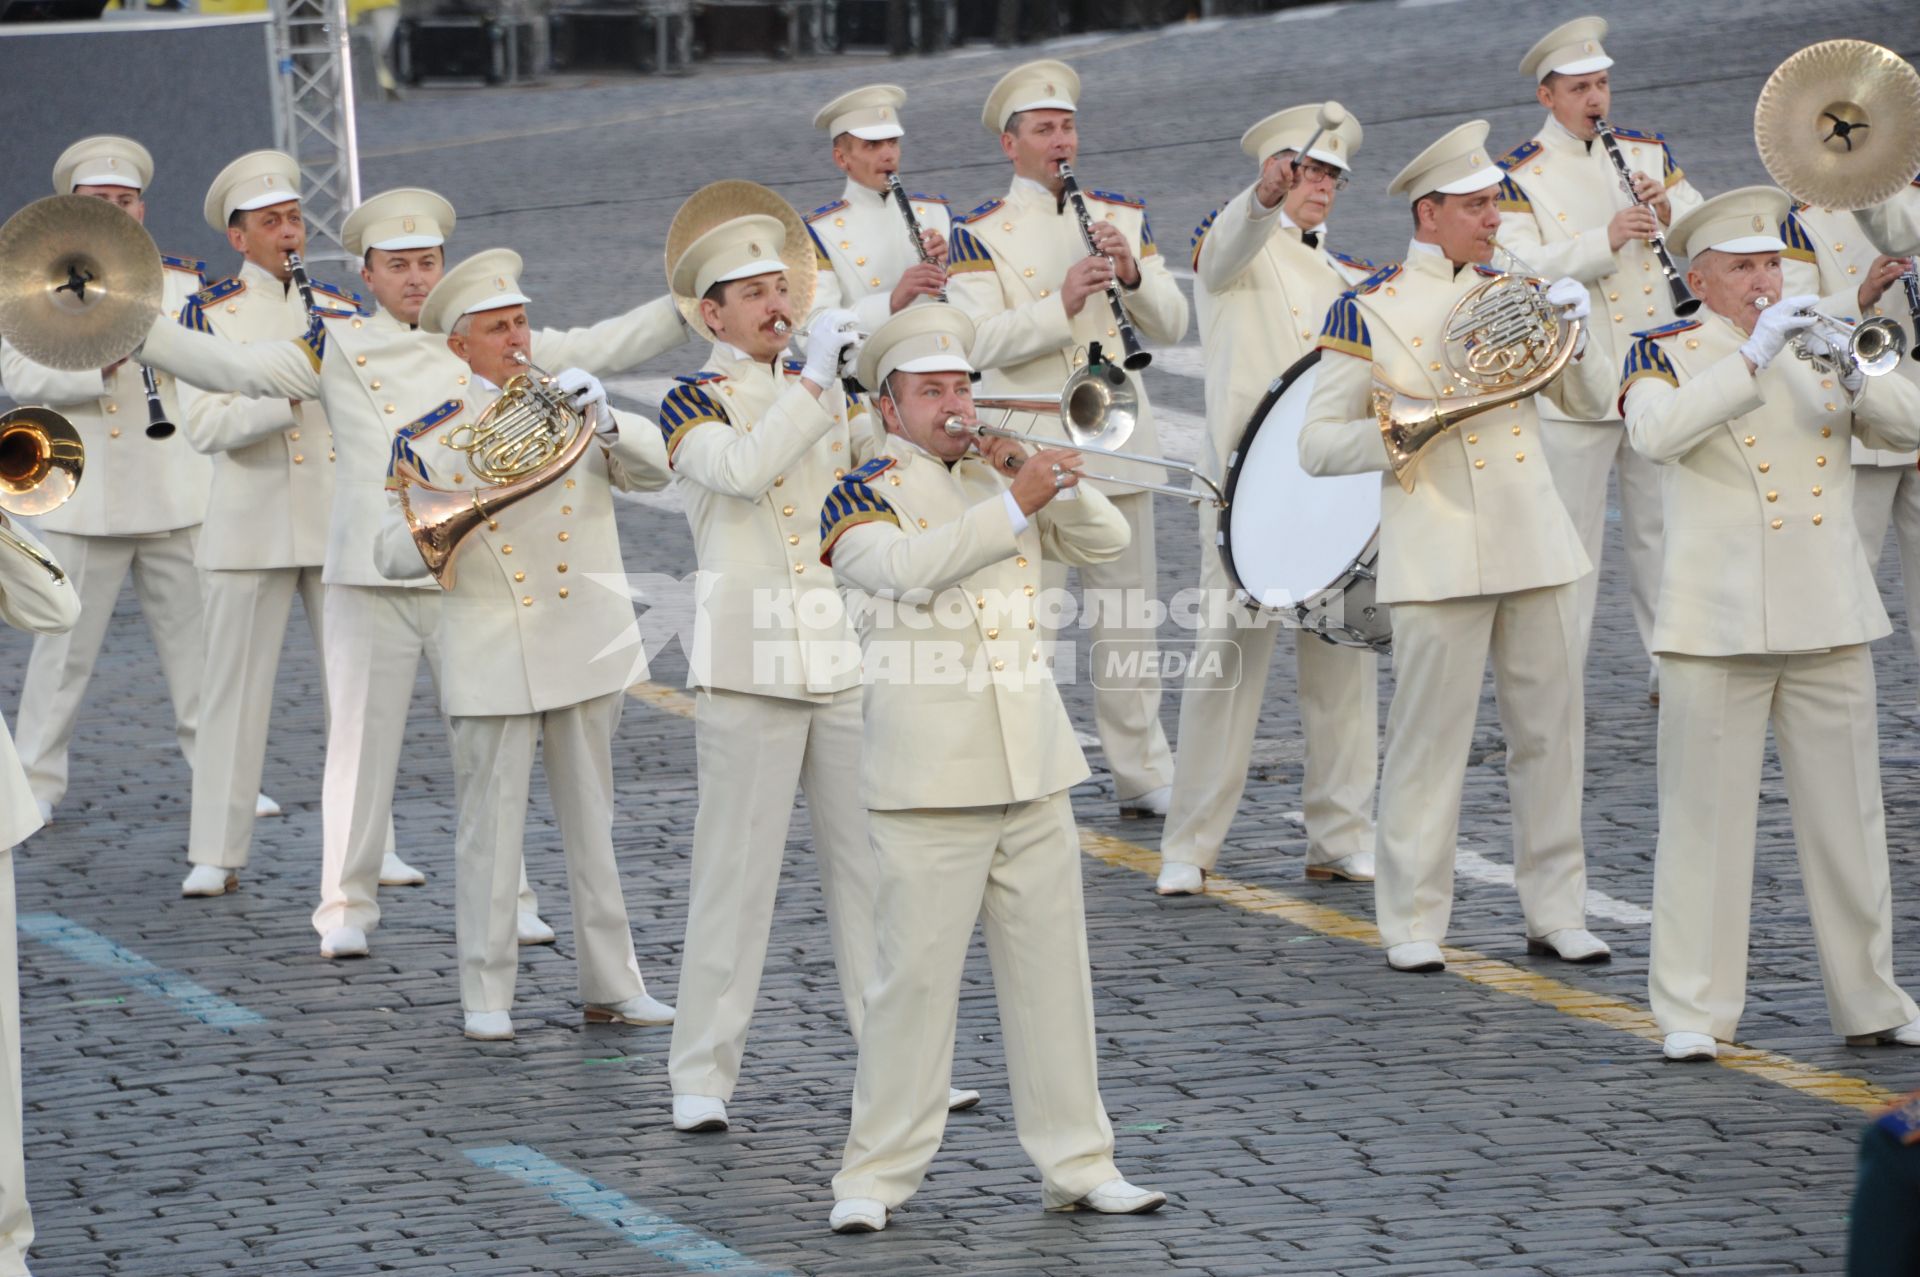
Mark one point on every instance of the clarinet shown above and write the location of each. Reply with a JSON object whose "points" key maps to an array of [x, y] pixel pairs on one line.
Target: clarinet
{"points": [[913, 224], [158, 427], [1684, 302], [1136, 357], [298, 270]]}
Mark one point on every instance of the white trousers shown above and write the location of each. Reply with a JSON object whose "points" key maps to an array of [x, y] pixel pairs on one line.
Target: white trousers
{"points": [[492, 775], [246, 626], [1885, 495], [375, 637], [1581, 455], [1440, 655], [1339, 699], [1713, 734], [16, 1220], [1017, 868], [1126, 701], [752, 752], [168, 586]]}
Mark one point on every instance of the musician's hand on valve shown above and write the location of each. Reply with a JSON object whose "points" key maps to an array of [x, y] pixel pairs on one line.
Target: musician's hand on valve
{"points": [[1085, 277], [1633, 222], [1044, 476], [1571, 298], [1113, 245], [1005, 455], [581, 386], [833, 341], [1775, 328], [1880, 277], [1649, 191], [922, 279]]}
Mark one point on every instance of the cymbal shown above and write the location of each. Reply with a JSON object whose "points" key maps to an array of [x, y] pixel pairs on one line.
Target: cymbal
{"points": [[1838, 124], [723, 201], [80, 282]]}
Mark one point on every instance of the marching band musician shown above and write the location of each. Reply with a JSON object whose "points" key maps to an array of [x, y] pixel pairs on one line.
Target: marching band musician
{"points": [[1261, 256], [757, 442], [373, 373], [967, 760], [140, 509], [1479, 557], [1826, 254], [1564, 211], [31, 599], [1766, 608], [1020, 268], [525, 637], [869, 263], [265, 536]]}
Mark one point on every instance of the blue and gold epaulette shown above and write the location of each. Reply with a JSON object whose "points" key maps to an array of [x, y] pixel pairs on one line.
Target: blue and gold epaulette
{"points": [[1358, 263], [1375, 280], [931, 199], [1509, 198], [1635, 135], [314, 342], [1519, 155], [824, 209], [795, 366], [1668, 330], [403, 457], [194, 313], [1111, 197], [1200, 235], [686, 406], [192, 266], [1490, 272], [420, 425], [225, 288], [820, 259], [700, 378], [1799, 244], [1645, 359], [852, 502], [965, 252], [980, 212], [1345, 329], [352, 299]]}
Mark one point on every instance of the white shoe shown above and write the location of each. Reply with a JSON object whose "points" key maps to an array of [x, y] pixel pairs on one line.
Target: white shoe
{"points": [[858, 1215], [533, 931], [696, 1113], [1117, 1197], [395, 872], [1177, 879], [1416, 955], [958, 1101], [1355, 868], [46, 811], [1907, 1034], [344, 942], [209, 880], [264, 806], [1153, 803], [641, 1009], [1570, 944], [1681, 1047], [489, 1026]]}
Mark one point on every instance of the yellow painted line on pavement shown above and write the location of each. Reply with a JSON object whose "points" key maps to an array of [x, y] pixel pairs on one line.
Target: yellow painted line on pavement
{"points": [[1476, 968]]}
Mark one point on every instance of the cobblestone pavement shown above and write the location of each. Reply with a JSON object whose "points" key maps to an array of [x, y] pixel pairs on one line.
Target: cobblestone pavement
{"points": [[1309, 1111]]}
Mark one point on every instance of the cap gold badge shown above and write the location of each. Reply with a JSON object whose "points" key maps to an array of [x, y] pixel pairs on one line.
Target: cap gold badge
{"points": [[406, 223], [1759, 222]]}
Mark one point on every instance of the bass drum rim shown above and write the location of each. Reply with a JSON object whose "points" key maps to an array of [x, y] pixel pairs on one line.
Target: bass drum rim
{"points": [[1292, 616]]}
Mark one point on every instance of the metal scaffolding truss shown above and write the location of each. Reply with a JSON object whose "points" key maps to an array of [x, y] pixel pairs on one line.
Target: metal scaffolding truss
{"points": [[313, 114]]}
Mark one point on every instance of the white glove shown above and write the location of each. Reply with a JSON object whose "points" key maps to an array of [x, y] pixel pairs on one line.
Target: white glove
{"points": [[1571, 296], [582, 386], [1775, 328], [833, 343]]}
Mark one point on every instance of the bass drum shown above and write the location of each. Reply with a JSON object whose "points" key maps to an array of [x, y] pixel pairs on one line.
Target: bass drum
{"points": [[1299, 547]]}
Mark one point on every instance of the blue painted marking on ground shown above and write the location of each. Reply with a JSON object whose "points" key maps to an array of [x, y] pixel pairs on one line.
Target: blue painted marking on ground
{"points": [[94, 949], [681, 1244]]}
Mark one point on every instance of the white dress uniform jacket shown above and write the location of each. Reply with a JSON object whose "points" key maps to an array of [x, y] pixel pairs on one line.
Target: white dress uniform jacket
{"points": [[30, 600], [1006, 262], [864, 248]]}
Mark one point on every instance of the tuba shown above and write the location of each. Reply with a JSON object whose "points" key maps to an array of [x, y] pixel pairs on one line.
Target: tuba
{"points": [[1503, 342], [528, 437], [41, 458]]}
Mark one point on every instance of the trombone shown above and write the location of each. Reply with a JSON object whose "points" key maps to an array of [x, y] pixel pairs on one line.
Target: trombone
{"points": [[41, 457], [1098, 409]]}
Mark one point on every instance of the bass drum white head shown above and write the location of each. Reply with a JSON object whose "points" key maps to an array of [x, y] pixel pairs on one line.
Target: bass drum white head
{"points": [[1301, 546]]}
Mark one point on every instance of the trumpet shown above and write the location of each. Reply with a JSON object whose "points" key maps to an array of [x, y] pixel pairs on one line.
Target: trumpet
{"points": [[1684, 302], [1136, 357], [1873, 348], [1098, 409], [913, 225], [41, 459]]}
